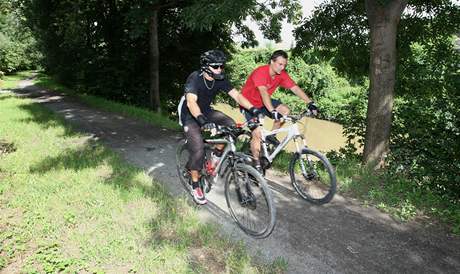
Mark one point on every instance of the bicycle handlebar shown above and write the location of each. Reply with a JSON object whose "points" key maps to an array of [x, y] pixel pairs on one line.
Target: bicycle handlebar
{"points": [[233, 131], [292, 118], [306, 113], [239, 129]]}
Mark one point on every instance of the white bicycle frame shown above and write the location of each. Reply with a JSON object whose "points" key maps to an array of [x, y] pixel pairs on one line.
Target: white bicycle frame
{"points": [[293, 133]]}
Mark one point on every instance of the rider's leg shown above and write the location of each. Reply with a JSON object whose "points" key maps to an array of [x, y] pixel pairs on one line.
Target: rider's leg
{"points": [[220, 118], [195, 145], [195, 163], [255, 146], [255, 142], [195, 174]]}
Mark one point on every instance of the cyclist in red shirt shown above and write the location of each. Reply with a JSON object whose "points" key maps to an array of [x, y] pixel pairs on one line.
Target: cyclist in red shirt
{"points": [[259, 87]]}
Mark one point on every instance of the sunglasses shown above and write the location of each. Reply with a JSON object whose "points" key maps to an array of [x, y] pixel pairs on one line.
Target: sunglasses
{"points": [[217, 66]]}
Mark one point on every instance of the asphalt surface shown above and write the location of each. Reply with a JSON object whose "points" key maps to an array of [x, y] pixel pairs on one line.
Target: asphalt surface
{"points": [[340, 237]]}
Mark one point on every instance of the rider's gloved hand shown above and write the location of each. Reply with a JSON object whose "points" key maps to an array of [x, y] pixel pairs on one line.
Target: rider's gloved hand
{"points": [[204, 123], [312, 107], [255, 112], [276, 115], [253, 123]]}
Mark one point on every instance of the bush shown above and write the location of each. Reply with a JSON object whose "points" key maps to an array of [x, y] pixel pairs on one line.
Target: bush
{"points": [[18, 49]]}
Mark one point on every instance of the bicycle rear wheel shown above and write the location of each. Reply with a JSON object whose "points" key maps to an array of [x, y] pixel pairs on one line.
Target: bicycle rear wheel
{"points": [[182, 156], [250, 201], [312, 176]]}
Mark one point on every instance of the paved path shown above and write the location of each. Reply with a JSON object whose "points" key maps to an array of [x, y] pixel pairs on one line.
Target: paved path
{"points": [[340, 237]]}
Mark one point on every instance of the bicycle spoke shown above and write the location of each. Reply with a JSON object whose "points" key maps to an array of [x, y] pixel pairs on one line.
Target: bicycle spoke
{"points": [[248, 204], [313, 177]]}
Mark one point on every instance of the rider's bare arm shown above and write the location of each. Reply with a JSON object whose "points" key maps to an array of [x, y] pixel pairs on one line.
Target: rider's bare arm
{"points": [[302, 95], [240, 99], [265, 97], [192, 104]]}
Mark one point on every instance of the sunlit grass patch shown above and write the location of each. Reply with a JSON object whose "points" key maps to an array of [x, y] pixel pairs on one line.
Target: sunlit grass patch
{"points": [[11, 81]]}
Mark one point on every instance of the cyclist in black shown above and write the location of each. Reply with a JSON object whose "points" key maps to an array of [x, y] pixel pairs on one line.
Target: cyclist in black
{"points": [[196, 113]]}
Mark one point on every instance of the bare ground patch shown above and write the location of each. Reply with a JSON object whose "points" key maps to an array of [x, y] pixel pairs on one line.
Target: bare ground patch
{"points": [[209, 259], [6, 147]]}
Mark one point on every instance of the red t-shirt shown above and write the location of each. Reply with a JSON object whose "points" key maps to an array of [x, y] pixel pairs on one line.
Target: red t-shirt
{"points": [[261, 77]]}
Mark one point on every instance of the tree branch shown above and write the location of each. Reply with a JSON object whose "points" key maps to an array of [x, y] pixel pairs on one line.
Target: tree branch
{"points": [[167, 4]]}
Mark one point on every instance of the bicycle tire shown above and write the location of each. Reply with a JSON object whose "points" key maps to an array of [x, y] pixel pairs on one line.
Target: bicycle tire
{"points": [[182, 156], [247, 194], [318, 184]]}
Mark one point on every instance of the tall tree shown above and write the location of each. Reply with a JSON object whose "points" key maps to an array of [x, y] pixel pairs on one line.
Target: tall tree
{"points": [[154, 58], [384, 17], [362, 38]]}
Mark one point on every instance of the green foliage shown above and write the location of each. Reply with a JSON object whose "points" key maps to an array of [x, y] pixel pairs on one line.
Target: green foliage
{"points": [[426, 128], [102, 47], [425, 139], [339, 29], [18, 49], [268, 16]]}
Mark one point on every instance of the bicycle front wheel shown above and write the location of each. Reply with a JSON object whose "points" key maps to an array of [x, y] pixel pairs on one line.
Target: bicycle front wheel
{"points": [[249, 201], [312, 176]]}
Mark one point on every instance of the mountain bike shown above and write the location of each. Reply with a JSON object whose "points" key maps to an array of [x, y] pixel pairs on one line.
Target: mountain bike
{"points": [[311, 173], [248, 197]]}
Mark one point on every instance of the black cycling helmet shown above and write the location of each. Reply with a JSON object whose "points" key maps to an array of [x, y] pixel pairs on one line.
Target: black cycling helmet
{"points": [[210, 58]]}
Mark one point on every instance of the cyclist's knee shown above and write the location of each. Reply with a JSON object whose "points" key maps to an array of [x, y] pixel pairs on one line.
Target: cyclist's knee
{"points": [[257, 134], [283, 109]]}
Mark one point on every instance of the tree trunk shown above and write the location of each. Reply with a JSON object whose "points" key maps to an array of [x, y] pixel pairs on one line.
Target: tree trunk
{"points": [[154, 63], [383, 17]]}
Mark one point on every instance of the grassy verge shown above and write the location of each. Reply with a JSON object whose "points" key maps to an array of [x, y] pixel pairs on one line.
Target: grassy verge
{"points": [[68, 204], [398, 196], [11, 81], [131, 111]]}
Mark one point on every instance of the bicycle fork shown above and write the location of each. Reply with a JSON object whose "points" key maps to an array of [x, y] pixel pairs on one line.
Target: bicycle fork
{"points": [[244, 191], [304, 160]]}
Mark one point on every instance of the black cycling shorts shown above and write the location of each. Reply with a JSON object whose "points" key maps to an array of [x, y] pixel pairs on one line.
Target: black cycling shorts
{"points": [[195, 144]]}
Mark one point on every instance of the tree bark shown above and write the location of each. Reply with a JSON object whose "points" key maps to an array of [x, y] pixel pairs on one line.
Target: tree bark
{"points": [[154, 63], [383, 17]]}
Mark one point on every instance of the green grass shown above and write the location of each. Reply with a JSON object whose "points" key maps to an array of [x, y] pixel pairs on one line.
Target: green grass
{"points": [[104, 104], [11, 81], [68, 204], [398, 196]]}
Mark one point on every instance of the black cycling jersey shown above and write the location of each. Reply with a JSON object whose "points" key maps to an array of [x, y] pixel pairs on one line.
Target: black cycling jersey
{"points": [[205, 92]]}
